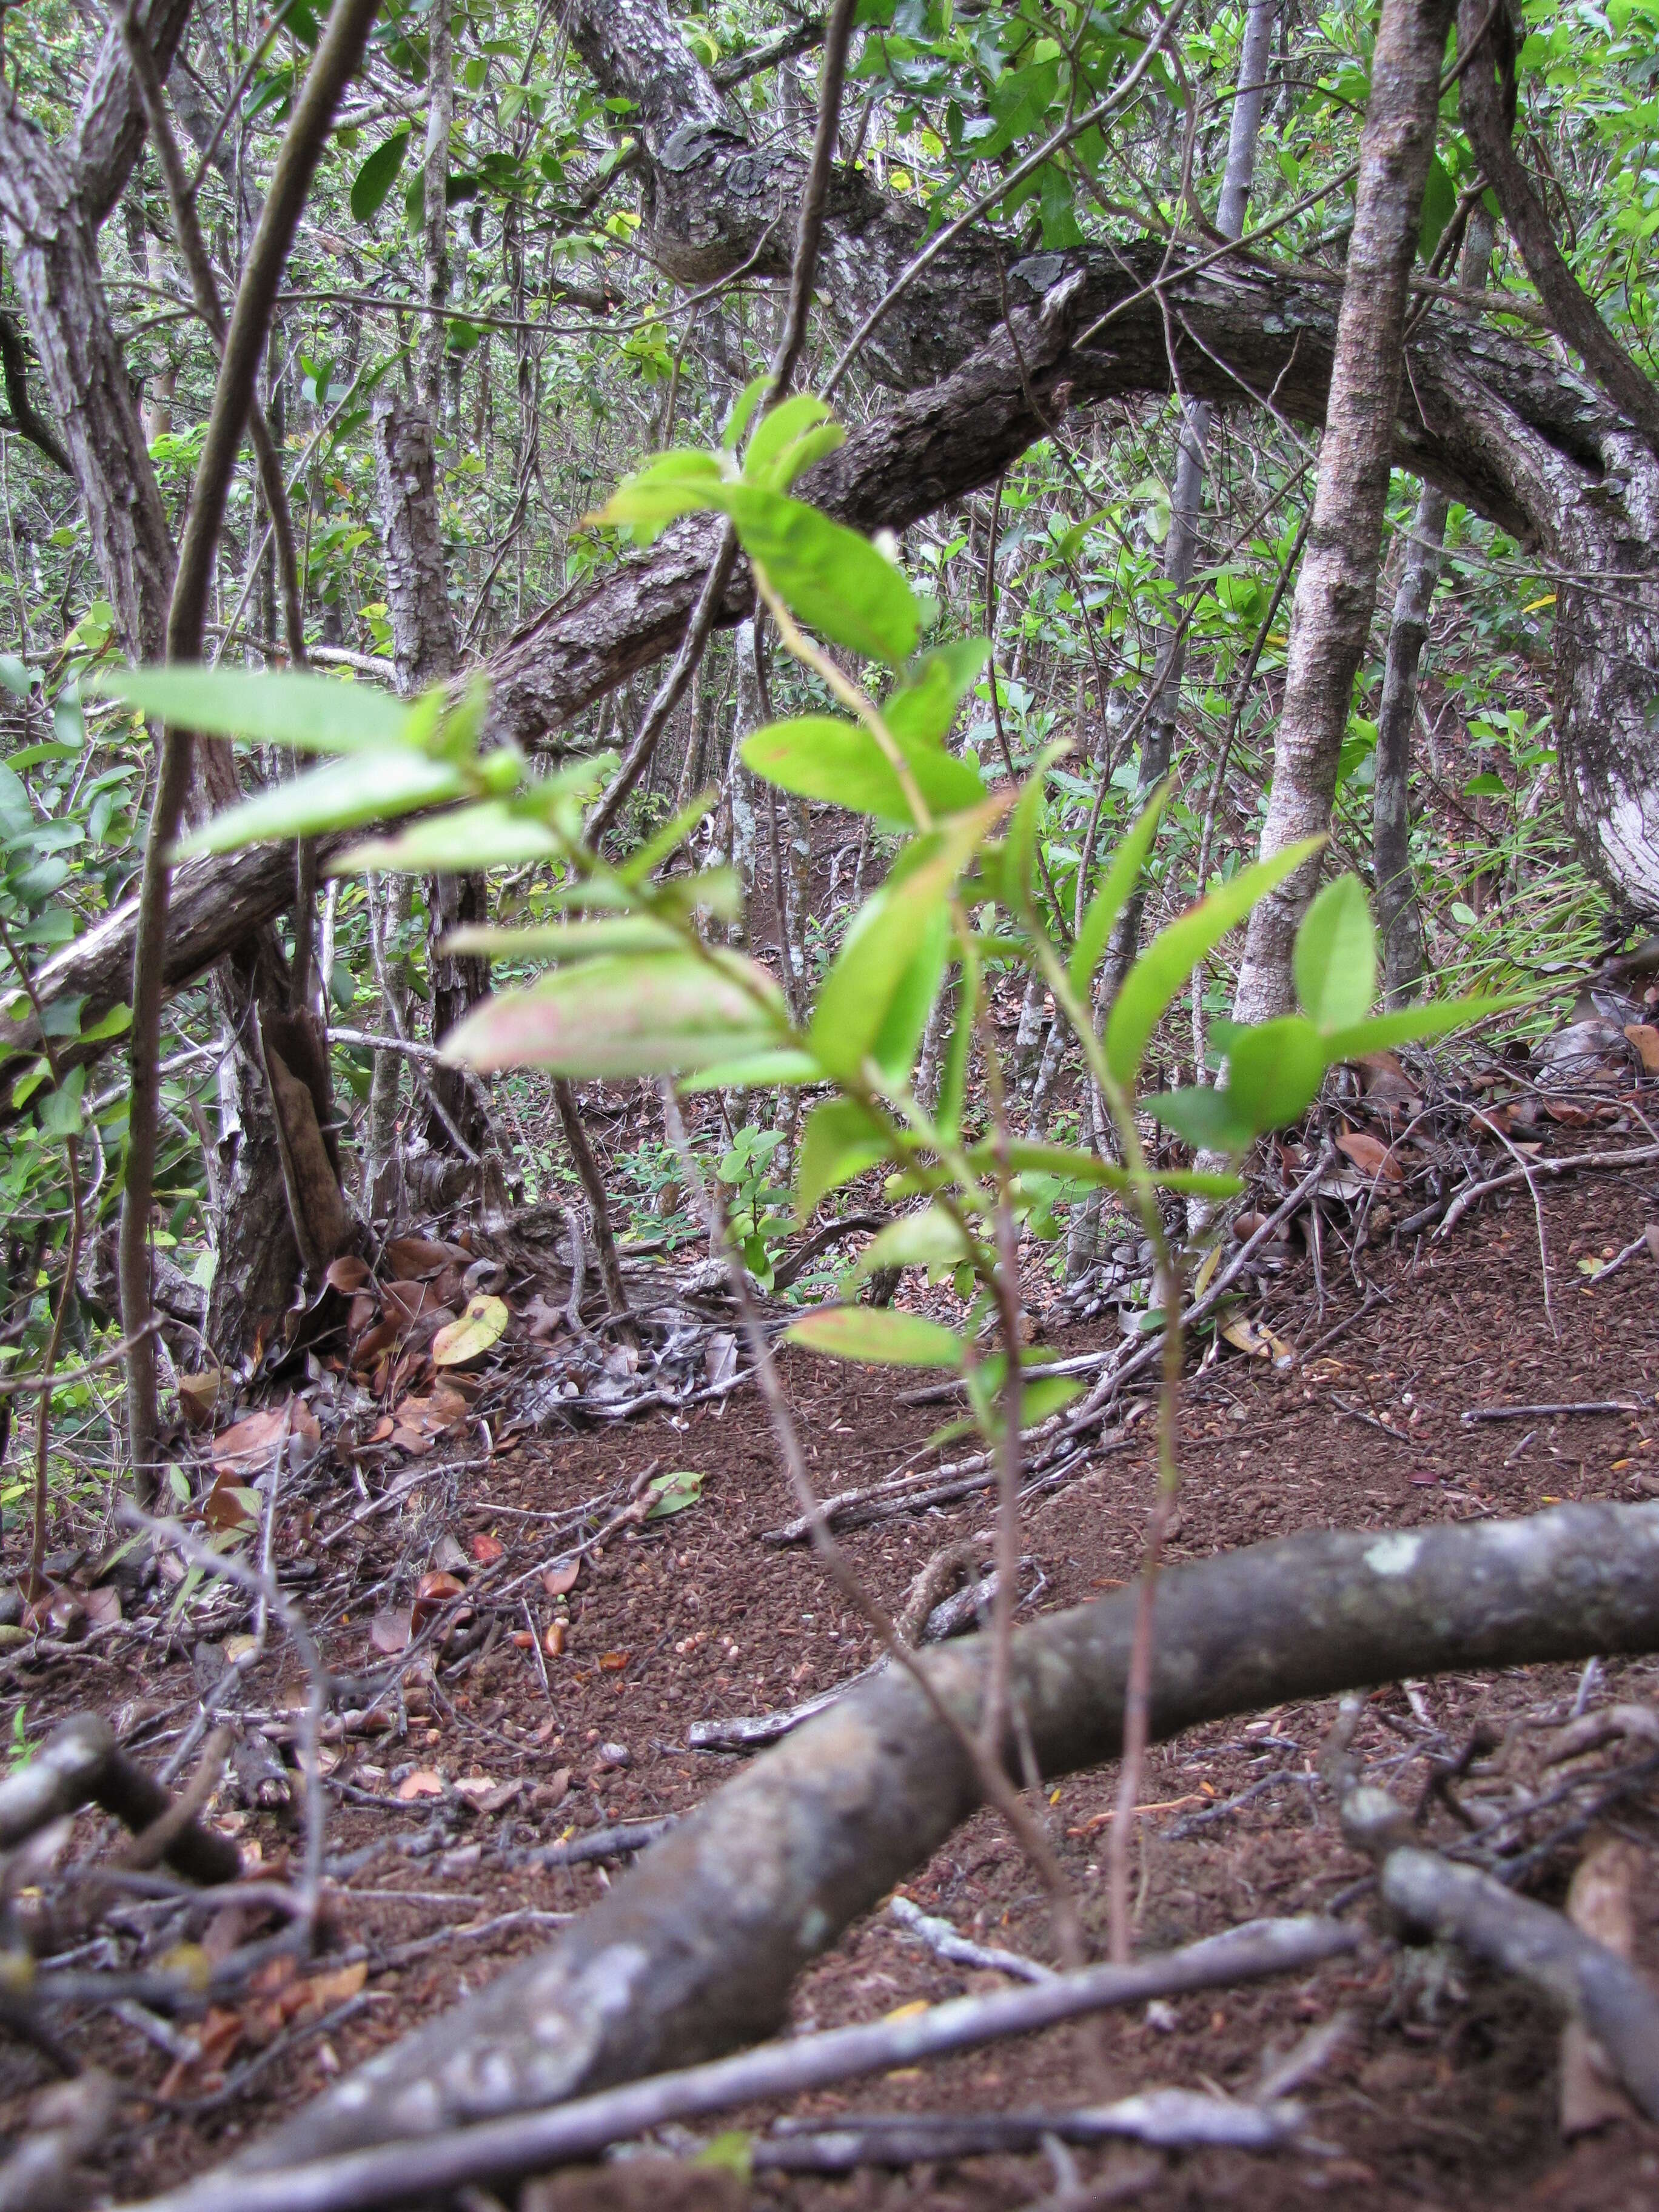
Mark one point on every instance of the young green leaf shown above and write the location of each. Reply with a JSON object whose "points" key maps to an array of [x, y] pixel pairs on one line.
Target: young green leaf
{"points": [[314, 714], [839, 1141], [1274, 1070], [841, 763], [836, 582], [929, 1238], [1335, 959], [1170, 959], [877, 1337], [1204, 1118], [624, 1014], [1113, 894], [791, 420], [1414, 1025], [921, 711], [743, 408], [362, 787], [495, 834]]}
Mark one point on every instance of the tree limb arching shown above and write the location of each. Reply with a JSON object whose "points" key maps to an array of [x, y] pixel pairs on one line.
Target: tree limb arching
{"points": [[693, 1954]]}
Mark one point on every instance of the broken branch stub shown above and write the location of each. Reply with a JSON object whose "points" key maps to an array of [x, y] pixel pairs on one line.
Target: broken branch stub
{"points": [[695, 1952]]}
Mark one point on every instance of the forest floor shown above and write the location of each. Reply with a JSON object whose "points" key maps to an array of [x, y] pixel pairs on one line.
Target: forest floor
{"points": [[1443, 2090]]}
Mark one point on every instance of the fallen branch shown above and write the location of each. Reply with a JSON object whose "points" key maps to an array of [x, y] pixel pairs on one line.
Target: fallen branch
{"points": [[501, 2150], [696, 1952], [80, 1764], [1643, 1156], [1555, 1413], [948, 1942], [1168, 2119]]}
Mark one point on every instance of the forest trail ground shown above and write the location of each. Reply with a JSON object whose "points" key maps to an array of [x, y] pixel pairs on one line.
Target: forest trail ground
{"points": [[1443, 2092]]}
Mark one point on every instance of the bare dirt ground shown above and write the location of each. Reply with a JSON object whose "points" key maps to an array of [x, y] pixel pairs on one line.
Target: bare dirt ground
{"points": [[1443, 2092]]}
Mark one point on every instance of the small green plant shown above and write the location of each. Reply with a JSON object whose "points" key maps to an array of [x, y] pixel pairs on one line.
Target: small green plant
{"points": [[757, 1213], [20, 1751], [632, 984]]}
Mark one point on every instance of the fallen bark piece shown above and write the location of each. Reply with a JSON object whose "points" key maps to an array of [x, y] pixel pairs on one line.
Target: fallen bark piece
{"points": [[501, 2150], [1587, 1980], [1601, 1904], [696, 1952], [1168, 2119], [80, 1764]]}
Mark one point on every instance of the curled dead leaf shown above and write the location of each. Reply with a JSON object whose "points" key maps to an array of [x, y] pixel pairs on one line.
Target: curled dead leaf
{"points": [[1369, 1155], [347, 1274], [613, 1662], [553, 1640], [433, 1592]]}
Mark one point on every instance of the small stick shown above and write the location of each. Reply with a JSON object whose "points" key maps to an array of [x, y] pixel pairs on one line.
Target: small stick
{"points": [[940, 1936], [1588, 1405], [1645, 1157]]}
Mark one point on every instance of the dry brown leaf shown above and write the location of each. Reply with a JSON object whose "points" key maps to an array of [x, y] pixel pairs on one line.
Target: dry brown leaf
{"points": [[410, 1303], [433, 1592], [103, 1606], [230, 1504], [486, 1550], [559, 1581], [325, 1990], [415, 1259], [199, 1394], [612, 1662], [250, 1448], [554, 1639], [470, 1338], [390, 1629], [422, 1783], [1600, 1902], [1645, 1037], [1369, 1155], [347, 1274]]}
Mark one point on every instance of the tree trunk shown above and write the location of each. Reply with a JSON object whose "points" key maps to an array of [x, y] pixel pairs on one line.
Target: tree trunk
{"points": [[423, 643], [1336, 589], [693, 1954], [1400, 925]]}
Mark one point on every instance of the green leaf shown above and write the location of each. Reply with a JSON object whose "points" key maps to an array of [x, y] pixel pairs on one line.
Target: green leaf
{"points": [[834, 580], [619, 1015], [1335, 958], [743, 408], [1439, 205], [567, 940], [116, 1022], [364, 787], [821, 757], [1071, 1163], [786, 1064], [877, 950], [684, 482], [1046, 1394], [1274, 1070], [1170, 959], [895, 1043], [929, 1238], [1113, 894], [1205, 1119], [879, 1337], [776, 432], [495, 834], [377, 176], [839, 1141], [921, 711], [672, 1493], [1414, 1025], [314, 714]]}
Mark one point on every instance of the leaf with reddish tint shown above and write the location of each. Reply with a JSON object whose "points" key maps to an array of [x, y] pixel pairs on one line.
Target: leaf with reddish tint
{"points": [[415, 1259], [422, 1784], [559, 1581], [471, 1336], [347, 1274], [432, 1593], [1369, 1155], [486, 1550], [553, 1641], [612, 1662]]}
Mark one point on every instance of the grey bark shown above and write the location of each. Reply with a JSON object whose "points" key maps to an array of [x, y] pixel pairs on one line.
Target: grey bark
{"points": [[1400, 922], [695, 1952], [423, 645], [1336, 588], [441, 110]]}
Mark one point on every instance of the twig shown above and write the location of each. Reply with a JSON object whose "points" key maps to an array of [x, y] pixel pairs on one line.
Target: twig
{"points": [[80, 1763], [502, 2149], [618, 1843], [1555, 1413], [1643, 1156], [941, 1937]]}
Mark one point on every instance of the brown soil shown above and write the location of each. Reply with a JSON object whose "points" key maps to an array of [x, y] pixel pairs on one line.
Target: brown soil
{"points": [[1445, 2091]]}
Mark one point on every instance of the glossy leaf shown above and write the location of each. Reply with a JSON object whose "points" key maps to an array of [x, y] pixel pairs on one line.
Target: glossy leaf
{"points": [[836, 581], [312, 714], [819, 757], [1164, 968], [378, 175], [621, 1016], [1112, 896], [879, 1338], [1334, 961], [362, 787]]}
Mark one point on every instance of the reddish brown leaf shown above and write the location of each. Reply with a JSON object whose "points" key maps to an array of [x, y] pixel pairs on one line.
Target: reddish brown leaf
{"points": [[554, 1639], [410, 1303], [347, 1274], [612, 1662], [486, 1550], [559, 1581], [198, 1397], [422, 1784], [416, 1259], [1369, 1155]]}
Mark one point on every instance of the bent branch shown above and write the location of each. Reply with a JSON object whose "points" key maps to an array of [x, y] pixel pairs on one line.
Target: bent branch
{"points": [[693, 1954]]}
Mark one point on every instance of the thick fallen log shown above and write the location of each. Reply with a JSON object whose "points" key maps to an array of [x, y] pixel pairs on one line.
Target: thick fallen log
{"points": [[501, 2150], [695, 1952], [81, 1764]]}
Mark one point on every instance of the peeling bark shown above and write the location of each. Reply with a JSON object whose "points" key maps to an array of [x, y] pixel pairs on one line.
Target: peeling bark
{"points": [[693, 1954]]}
